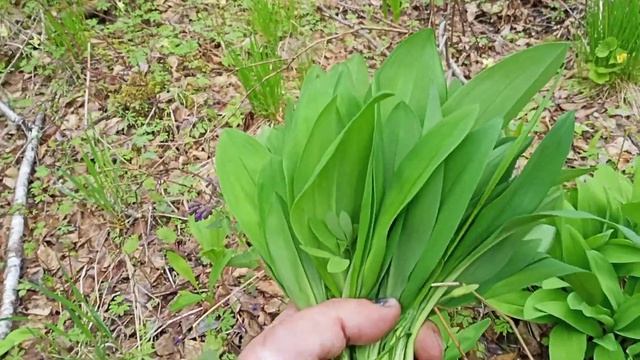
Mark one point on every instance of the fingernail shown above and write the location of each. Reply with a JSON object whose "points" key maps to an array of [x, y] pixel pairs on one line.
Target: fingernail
{"points": [[386, 302]]}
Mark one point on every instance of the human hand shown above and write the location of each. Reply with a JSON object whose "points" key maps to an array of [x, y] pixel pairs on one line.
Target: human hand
{"points": [[324, 331]]}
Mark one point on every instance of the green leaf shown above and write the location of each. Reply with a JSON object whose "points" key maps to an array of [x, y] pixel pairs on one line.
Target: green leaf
{"points": [[602, 353], [627, 312], [608, 342], [184, 299], [597, 312], [523, 196], [17, 337], [632, 211], [530, 309], [130, 244], [462, 173], [502, 91], [511, 304], [634, 349], [468, 339], [246, 259], [561, 310], [567, 343], [239, 160], [182, 267], [166, 234], [411, 175], [411, 72], [337, 264], [607, 278]]}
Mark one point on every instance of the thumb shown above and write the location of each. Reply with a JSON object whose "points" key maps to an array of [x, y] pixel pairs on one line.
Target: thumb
{"points": [[325, 330]]}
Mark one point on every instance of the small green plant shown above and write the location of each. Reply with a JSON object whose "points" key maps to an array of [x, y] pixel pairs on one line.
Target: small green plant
{"points": [[612, 40], [258, 69], [211, 234], [104, 182], [118, 306], [594, 305], [273, 19]]}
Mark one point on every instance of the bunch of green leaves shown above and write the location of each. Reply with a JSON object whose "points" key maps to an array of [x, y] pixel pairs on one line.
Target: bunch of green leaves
{"points": [[211, 234], [102, 179], [258, 71], [67, 31], [273, 19], [612, 39], [595, 306], [383, 187]]}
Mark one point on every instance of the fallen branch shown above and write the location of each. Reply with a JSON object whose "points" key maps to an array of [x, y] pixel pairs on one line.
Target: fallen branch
{"points": [[443, 48], [10, 114], [13, 258], [363, 33]]}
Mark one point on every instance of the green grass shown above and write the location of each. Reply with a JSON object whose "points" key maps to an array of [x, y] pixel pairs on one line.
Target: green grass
{"points": [[612, 40]]}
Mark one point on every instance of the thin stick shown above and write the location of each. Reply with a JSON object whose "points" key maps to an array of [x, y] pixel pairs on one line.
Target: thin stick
{"points": [[364, 34], [13, 258], [219, 303], [10, 114], [509, 321], [86, 86], [450, 333]]}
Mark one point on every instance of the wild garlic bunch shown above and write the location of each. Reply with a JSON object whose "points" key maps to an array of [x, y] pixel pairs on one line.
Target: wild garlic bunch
{"points": [[383, 187]]}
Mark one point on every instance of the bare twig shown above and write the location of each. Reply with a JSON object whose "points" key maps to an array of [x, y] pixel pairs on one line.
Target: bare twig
{"points": [[10, 114], [13, 258], [221, 302], [363, 33], [509, 321], [17, 56], [443, 47], [86, 86], [453, 336]]}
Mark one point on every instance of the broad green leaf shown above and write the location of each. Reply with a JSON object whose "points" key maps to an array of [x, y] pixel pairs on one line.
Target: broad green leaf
{"points": [[130, 244], [598, 240], [400, 132], [510, 304], [504, 89], [17, 337], [326, 128], [248, 258], [602, 353], [462, 172], [218, 266], [467, 338], [298, 278], [416, 168], [329, 193], [567, 343], [337, 264], [531, 311], [166, 234], [608, 341], [632, 211], [627, 312], [210, 233], [631, 331], [607, 278], [574, 252], [576, 319], [597, 312], [535, 273], [524, 195], [411, 71], [182, 267], [239, 160], [184, 299], [634, 349], [415, 229]]}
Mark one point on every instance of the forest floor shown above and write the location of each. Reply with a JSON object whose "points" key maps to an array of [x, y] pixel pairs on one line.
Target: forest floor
{"points": [[149, 98]]}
